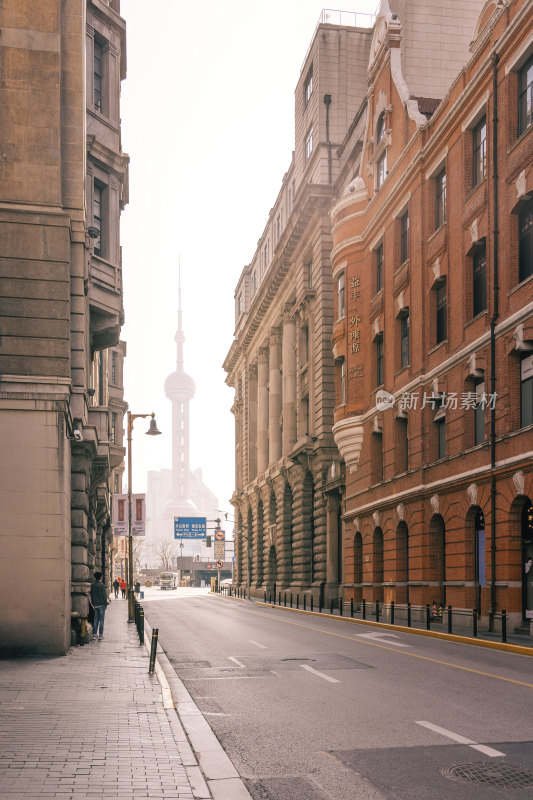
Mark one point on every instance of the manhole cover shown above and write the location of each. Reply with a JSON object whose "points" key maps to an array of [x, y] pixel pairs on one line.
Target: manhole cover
{"points": [[482, 773]]}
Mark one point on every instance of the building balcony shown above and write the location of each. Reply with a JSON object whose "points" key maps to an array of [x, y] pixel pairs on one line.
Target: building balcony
{"points": [[105, 300]]}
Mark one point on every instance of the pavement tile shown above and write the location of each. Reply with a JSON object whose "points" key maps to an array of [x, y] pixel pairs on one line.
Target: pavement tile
{"points": [[90, 725]]}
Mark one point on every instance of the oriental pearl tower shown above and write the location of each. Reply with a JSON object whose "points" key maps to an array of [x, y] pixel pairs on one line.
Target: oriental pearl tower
{"points": [[180, 389]]}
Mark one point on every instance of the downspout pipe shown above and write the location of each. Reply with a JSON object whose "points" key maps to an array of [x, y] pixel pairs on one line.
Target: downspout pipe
{"points": [[493, 321], [327, 103]]}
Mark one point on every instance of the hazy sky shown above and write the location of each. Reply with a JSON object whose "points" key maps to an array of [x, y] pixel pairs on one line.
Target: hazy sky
{"points": [[208, 121]]}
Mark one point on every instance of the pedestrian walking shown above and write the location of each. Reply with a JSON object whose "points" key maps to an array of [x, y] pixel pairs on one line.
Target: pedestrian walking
{"points": [[137, 588], [98, 600], [116, 586], [123, 588]]}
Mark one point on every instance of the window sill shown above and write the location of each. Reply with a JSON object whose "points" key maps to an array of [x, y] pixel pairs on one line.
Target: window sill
{"points": [[476, 318], [437, 230], [520, 285], [437, 346]]}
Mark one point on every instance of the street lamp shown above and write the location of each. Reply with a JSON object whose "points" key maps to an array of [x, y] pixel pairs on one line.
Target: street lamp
{"points": [[152, 431]]}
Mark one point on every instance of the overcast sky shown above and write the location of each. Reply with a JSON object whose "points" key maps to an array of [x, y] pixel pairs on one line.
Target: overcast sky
{"points": [[208, 121]]}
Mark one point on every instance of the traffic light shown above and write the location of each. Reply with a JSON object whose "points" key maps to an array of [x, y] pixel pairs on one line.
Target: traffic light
{"points": [[208, 541]]}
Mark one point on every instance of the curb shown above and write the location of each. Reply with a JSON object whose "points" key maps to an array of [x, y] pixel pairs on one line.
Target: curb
{"points": [[450, 637], [210, 771]]}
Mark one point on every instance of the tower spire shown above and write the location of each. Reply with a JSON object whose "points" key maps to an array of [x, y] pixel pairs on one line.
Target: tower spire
{"points": [[180, 336]]}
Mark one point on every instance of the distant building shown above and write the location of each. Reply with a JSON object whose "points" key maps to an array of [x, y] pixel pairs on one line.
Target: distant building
{"points": [[433, 334], [289, 476], [63, 184], [177, 492]]}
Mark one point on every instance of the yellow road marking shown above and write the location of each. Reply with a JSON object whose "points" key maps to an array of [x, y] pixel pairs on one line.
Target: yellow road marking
{"points": [[401, 652]]}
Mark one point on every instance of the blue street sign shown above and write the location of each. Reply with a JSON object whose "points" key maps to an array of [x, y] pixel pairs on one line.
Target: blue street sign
{"points": [[190, 527]]}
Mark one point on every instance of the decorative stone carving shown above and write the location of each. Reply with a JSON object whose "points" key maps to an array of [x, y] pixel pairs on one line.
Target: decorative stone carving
{"points": [[472, 494], [376, 516], [400, 511], [357, 524], [348, 435], [519, 482], [520, 184], [435, 504], [474, 231], [436, 269]]}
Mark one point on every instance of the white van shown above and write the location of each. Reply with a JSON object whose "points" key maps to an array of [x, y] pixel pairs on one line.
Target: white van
{"points": [[168, 580]]}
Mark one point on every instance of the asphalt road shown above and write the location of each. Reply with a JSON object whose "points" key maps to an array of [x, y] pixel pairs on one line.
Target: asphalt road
{"points": [[317, 708]]}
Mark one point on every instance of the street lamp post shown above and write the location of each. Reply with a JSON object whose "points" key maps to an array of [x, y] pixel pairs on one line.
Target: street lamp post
{"points": [[152, 431]]}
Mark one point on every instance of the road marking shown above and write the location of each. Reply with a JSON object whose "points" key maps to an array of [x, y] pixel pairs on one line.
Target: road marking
{"points": [[215, 714], [239, 663], [262, 646], [399, 652], [379, 637], [456, 737], [320, 674], [273, 671]]}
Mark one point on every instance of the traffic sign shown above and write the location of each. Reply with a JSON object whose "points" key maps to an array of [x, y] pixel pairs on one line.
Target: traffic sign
{"points": [[190, 527], [220, 550], [220, 564], [220, 536]]}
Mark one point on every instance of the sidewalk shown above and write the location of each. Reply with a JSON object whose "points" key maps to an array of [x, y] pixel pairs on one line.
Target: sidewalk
{"points": [[92, 724]]}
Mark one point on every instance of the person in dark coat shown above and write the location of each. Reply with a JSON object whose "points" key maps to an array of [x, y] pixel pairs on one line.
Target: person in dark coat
{"points": [[98, 600], [116, 586]]}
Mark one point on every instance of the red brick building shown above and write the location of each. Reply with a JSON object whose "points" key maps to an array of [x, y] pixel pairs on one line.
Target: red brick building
{"points": [[433, 334]]}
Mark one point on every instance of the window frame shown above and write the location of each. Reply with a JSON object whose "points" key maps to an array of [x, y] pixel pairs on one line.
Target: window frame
{"points": [[441, 312], [98, 204], [525, 114], [479, 280], [479, 151], [404, 237], [308, 86], [404, 337], [341, 296], [440, 198], [526, 390], [308, 144], [379, 266], [379, 359], [98, 76], [525, 238]]}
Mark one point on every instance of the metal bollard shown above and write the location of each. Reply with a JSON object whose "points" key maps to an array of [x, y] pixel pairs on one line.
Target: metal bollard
{"points": [[298, 602], [392, 612], [364, 610], [428, 617], [291, 599], [408, 615], [153, 650], [340, 606], [504, 626], [331, 607], [351, 607], [265, 596], [474, 622], [449, 619], [311, 602], [377, 610], [279, 598], [141, 625], [320, 605], [285, 599], [304, 602]]}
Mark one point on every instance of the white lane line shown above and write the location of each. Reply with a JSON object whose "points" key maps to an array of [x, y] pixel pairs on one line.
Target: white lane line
{"points": [[386, 638], [456, 737], [273, 671], [239, 663], [320, 674], [262, 646]]}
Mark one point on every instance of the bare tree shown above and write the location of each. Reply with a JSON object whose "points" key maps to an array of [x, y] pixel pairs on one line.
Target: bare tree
{"points": [[138, 554], [165, 552]]}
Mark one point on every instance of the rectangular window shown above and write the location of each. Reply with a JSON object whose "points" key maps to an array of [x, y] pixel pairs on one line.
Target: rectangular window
{"points": [[114, 425], [479, 414], [525, 97], [440, 296], [479, 281], [526, 390], [479, 137], [308, 85], [379, 267], [304, 341], [404, 237], [525, 234], [440, 429], [404, 340], [98, 63], [380, 366], [440, 199], [401, 445], [98, 205], [343, 383], [308, 145], [114, 374], [377, 457], [340, 296], [381, 170]]}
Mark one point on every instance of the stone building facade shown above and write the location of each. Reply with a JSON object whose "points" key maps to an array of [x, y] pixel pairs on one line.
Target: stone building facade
{"points": [[63, 183], [288, 479], [433, 333]]}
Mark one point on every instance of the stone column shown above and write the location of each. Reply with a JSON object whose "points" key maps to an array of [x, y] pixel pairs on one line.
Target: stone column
{"points": [[274, 405], [251, 437], [262, 411], [289, 381], [332, 546]]}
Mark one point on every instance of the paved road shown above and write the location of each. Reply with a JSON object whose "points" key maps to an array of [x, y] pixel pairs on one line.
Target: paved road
{"points": [[311, 708]]}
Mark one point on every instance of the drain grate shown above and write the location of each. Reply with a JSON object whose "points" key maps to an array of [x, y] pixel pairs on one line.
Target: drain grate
{"points": [[483, 774]]}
